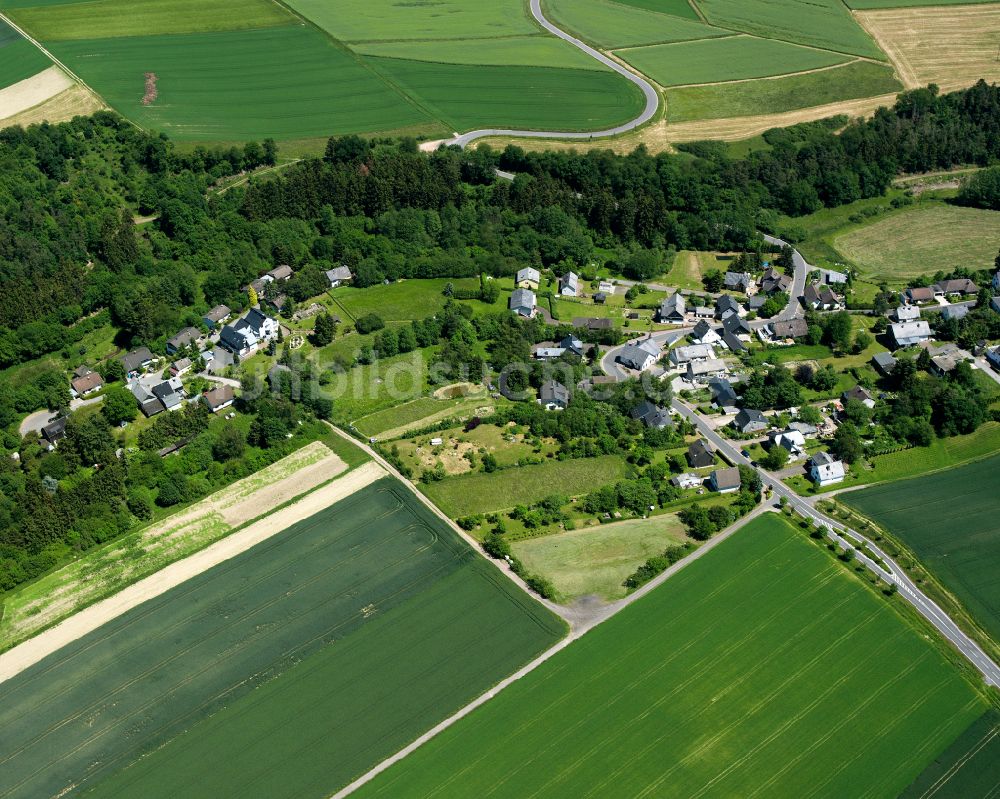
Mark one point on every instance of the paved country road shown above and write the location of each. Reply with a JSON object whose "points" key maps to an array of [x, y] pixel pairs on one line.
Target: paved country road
{"points": [[907, 588], [652, 98]]}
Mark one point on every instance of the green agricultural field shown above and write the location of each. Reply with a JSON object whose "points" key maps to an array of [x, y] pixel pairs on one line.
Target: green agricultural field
{"points": [[764, 668], [949, 519], [105, 18], [969, 767], [776, 95], [401, 301], [468, 97], [287, 671], [19, 58], [289, 82], [921, 240], [419, 412], [596, 560], [611, 24], [730, 58], [382, 20], [528, 51], [479, 492], [820, 23], [679, 8]]}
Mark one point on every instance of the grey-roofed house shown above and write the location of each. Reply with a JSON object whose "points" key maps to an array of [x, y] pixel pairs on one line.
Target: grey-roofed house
{"points": [[954, 312], [653, 416], [553, 395], [733, 343], [820, 298], [755, 303], [572, 344], [954, 287], [703, 312], [522, 302], [725, 481], [726, 305], [600, 298], [737, 281], [906, 334], [181, 366], [138, 360], [825, 470], [170, 393], [238, 341], [792, 328], [832, 277], [639, 355], [700, 454], [54, 431], [861, 394], [592, 323], [216, 316], [149, 404], [774, 280], [750, 420], [703, 333], [701, 371], [723, 393], [907, 313], [993, 357], [687, 480], [569, 284], [884, 363], [282, 272], [528, 278], [736, 325], [182, 339], [278, 303], [339, 275], [672, 309], [803, 427], [681, 356]]}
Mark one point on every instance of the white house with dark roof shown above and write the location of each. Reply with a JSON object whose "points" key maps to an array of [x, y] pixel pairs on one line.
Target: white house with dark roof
{"points": [[750, 420], [826, 470], [569, 284], [639, 355], [672, 309], [554, 396], [186, 336], [704, 333]]}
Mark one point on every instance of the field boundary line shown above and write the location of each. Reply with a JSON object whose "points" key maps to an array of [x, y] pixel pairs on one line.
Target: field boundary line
{"points": [[29, 652]]}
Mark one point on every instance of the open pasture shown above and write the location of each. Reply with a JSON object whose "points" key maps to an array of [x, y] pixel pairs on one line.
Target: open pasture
{"points": [[401, 301], [766, 98], [949, 520], [949, 45], [481, 492], [919, 240], [763, 668], [286, 671], [726, 59], [820, 23], [611, 24]]}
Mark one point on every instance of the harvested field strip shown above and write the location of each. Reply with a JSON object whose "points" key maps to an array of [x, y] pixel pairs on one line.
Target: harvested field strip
{"points": [[533, 98], [951, 46], [611, 24], [819, 23], [107, 18], [479, 492], [33, 91], [949, 521], [969, 767], [730, 58], [763, 668], [75, 101], [106, 571], [326, 629], [858, 79], [288, 82]]}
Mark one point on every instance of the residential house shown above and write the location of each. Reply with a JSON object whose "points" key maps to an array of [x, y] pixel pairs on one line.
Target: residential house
{"points": [[653, 416], [704, 334], [178, 342], [181, 367], [259, 286], [955, 287], [639, 355], [993, 356], [791, 440], [606, 287], [774, 280], [702, 371], [569, 284], [54, 431], [725, 481], [245, 336], [826, 470], [726, 305], [528, 278], [736, 325], [703, 312], [687, 480], [755, 303], [918, 295], [217, 316], [749, 420], [282, 272], [672, 309], [737, 281], [86, 384], [592, 323], [339, 275], [944, 364], [996, 281], [821, 298], [170, 393], [573, 345], [907, 313], [832, 278], [149, 404], [218, 397], [596, 383], [906, 334], [138, 361], [681, 356], [82, 371], [884, 363], [733, 343], [553, 395], [700, 454], [782, 331], [954, 312], [723, 393], [522, 302], [805, 428], [995, 303], [547, 351], [859, 393]]}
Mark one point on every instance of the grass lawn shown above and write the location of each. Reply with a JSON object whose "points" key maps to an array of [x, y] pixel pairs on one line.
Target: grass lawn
{"points": [[424, 410], [364, 390], [772, 96], [596, 560], [919, 240], [969, 767], [286, 671], [480, 492], [729, 58], [691, 265], [19, 58], [508, 447], [405, 300], [610, 24], [764, 668], [949, 519]]}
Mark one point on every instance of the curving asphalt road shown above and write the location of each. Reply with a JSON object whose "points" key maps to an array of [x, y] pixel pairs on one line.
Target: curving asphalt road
{"points": [[652, 98], [839, 533]]}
